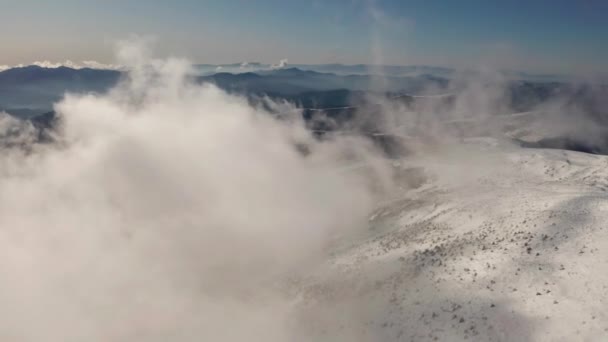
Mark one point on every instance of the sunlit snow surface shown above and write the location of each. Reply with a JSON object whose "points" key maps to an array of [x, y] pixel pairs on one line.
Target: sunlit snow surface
{"points": [[498, 244]]}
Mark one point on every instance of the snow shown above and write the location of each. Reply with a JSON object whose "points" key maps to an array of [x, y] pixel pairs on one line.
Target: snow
{"points": [[498, 244]]}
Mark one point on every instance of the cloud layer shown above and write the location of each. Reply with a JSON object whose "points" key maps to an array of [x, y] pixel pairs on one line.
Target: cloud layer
{"points": [[167, 211]]}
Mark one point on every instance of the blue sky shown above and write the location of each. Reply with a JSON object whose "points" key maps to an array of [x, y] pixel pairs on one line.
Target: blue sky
{"points": [[540, 35]]}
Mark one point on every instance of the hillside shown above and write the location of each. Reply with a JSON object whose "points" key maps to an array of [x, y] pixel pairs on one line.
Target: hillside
{"points": [[496, 244]]}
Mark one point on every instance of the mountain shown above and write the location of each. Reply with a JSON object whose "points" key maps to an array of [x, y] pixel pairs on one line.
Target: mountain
{"points": [[386, 70], [290, 81], [332, 102], [507, 245], [33, 89], [381, 70], [334, 68], [72, 79]]}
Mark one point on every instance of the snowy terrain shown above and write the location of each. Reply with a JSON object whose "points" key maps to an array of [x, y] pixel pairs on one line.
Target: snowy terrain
{"points": [[496, 244], [169, 210]]}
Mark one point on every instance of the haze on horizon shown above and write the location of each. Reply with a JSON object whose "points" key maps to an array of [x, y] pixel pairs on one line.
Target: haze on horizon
{"points": [[540, 36]]}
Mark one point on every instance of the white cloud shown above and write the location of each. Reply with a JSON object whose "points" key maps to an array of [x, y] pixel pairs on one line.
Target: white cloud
{"points": [[51, 65], [282, 64], [97, 65], [168, 213]]}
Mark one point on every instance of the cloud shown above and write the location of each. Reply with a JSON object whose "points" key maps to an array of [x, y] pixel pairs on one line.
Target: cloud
{"points": [[167, 211], [51, 65], [97, 65], [282, 64], [15, 132]]}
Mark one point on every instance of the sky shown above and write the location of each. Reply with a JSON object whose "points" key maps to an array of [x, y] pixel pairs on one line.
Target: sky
{"points": [[533, 35]]}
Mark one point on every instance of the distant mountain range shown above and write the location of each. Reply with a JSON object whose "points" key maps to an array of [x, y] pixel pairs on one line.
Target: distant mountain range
{"points": [[28, 92], [32, 90], [293, 81], [338, 69], [370, 69]]}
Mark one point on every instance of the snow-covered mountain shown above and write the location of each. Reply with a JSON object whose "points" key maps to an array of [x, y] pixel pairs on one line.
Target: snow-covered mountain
{"points": [[399, 218], [493, 243]]}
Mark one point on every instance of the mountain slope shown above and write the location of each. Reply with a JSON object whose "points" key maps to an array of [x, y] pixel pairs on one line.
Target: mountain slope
{"points": [[509, 247]]}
